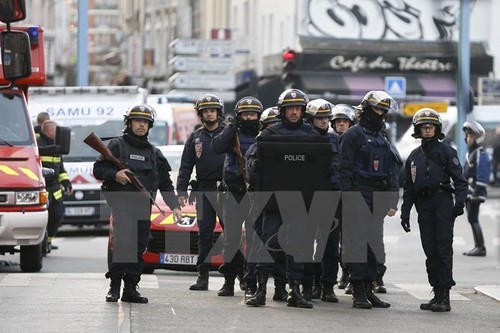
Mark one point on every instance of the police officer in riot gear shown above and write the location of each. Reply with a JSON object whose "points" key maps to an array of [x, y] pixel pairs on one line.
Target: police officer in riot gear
{"points": [[198, 152], [234, 141], [269, 117], [326, 264], [343, 117], [368, 165], [429, 171], [477, 173], [130, 209], [291, 107]]}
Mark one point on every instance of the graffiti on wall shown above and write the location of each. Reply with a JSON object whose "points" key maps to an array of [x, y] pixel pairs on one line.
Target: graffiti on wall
{"points": [[380, 19]]}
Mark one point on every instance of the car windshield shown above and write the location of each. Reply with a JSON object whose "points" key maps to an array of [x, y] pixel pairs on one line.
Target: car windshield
{"points": [[15, 127], [79, 151]]}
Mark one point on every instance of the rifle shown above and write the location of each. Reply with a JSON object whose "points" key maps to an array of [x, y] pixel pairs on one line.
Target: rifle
{"points": [[96, 143], [241, 158]]}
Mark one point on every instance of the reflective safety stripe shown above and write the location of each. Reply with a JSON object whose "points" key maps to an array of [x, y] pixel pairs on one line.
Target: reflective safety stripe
{"points": [[58, 194], [63, 176], [29, 173], [8, 170], [51, 159]]}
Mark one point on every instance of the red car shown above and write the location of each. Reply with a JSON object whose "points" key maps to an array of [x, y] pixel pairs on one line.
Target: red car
{"points": [[174, 245]]}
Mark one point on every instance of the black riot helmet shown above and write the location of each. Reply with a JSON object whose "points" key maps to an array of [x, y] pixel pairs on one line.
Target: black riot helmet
{"points": [[269, 116], [249, 104], [344, 111], [427, 116], [209, 101], [140, 111], [292, 97]]}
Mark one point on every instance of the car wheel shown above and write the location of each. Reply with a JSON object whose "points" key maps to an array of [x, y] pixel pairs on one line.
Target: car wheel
{"points": [[31, 258], [148, 270]]}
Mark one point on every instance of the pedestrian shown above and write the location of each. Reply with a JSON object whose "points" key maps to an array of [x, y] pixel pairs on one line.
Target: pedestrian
{"points": [[429, 171], [326, 262], [291, 107], [40, 119], [130, 208], [477, 170], [368, 166], [343, 118], [234, 141], [57, 184], [198, 153]]}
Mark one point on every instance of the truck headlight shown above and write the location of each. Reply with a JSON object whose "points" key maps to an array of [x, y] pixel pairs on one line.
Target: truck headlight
{"points": [[28, 198]]}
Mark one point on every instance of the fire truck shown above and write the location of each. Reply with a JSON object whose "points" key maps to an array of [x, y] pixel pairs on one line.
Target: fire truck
{"points": [[23, 198]]}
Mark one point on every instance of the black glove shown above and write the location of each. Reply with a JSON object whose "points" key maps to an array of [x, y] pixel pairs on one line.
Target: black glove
{"points": [[458, 210], [236, 121], [405, 223]]}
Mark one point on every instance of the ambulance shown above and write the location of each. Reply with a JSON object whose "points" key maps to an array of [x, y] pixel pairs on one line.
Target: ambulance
{"points": [[23, 198], [87, 109]]}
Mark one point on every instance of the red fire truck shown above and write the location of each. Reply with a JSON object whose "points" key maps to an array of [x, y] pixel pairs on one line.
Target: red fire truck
{"points": [[23, 198]]}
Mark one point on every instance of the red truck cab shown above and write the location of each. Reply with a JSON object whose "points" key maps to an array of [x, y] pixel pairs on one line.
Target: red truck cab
{"points": [[23, 199]]}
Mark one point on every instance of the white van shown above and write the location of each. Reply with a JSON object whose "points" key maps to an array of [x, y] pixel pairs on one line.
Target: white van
{"points": [[86, 110]]}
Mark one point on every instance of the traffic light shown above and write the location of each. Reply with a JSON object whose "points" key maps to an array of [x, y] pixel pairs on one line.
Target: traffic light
{"points": [[288, 77]]}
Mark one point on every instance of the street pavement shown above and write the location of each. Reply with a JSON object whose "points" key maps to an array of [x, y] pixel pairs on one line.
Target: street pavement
{"points": [[72, 300]]}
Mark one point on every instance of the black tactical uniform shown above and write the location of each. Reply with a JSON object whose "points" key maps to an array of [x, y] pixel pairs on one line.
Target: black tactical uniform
{"points": [[368, 166], [272, 220], [234, 141], [198, 153], [326, 257], [130, 209], [429, 170], [53, 184], [477, 170]]}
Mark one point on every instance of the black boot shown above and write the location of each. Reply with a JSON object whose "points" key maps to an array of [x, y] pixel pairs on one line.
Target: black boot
{"points": [[295, 298], [328, 294], [202, 281], [307, 290], [443, 302], [251, 290], [228, 288], [479, 250], [376, 302], [378, 286], [348, 289], [316, 289], [241, 279], [114, 290], [359, 299], [260, 296], [344, 279], [437, 294], [280, 293], [130, 293]]}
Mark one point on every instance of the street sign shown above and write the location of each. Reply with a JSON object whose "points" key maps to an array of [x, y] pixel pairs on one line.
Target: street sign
{"points": [[194, 95], [395, 86], [198, 64], [212, 47], [409, 109], [488, 91], [203, 81]]}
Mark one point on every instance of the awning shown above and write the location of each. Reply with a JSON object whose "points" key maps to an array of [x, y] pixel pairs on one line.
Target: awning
{"points": [[438, 86]]}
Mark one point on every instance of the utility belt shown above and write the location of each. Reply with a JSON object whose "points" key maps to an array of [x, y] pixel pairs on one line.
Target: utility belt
{"points": [[223, 187], [380, 184], [427, 192]]}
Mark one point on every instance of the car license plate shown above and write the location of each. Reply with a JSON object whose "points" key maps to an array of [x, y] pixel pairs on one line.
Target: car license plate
{"points": [[79, 211], [178, 259]]}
